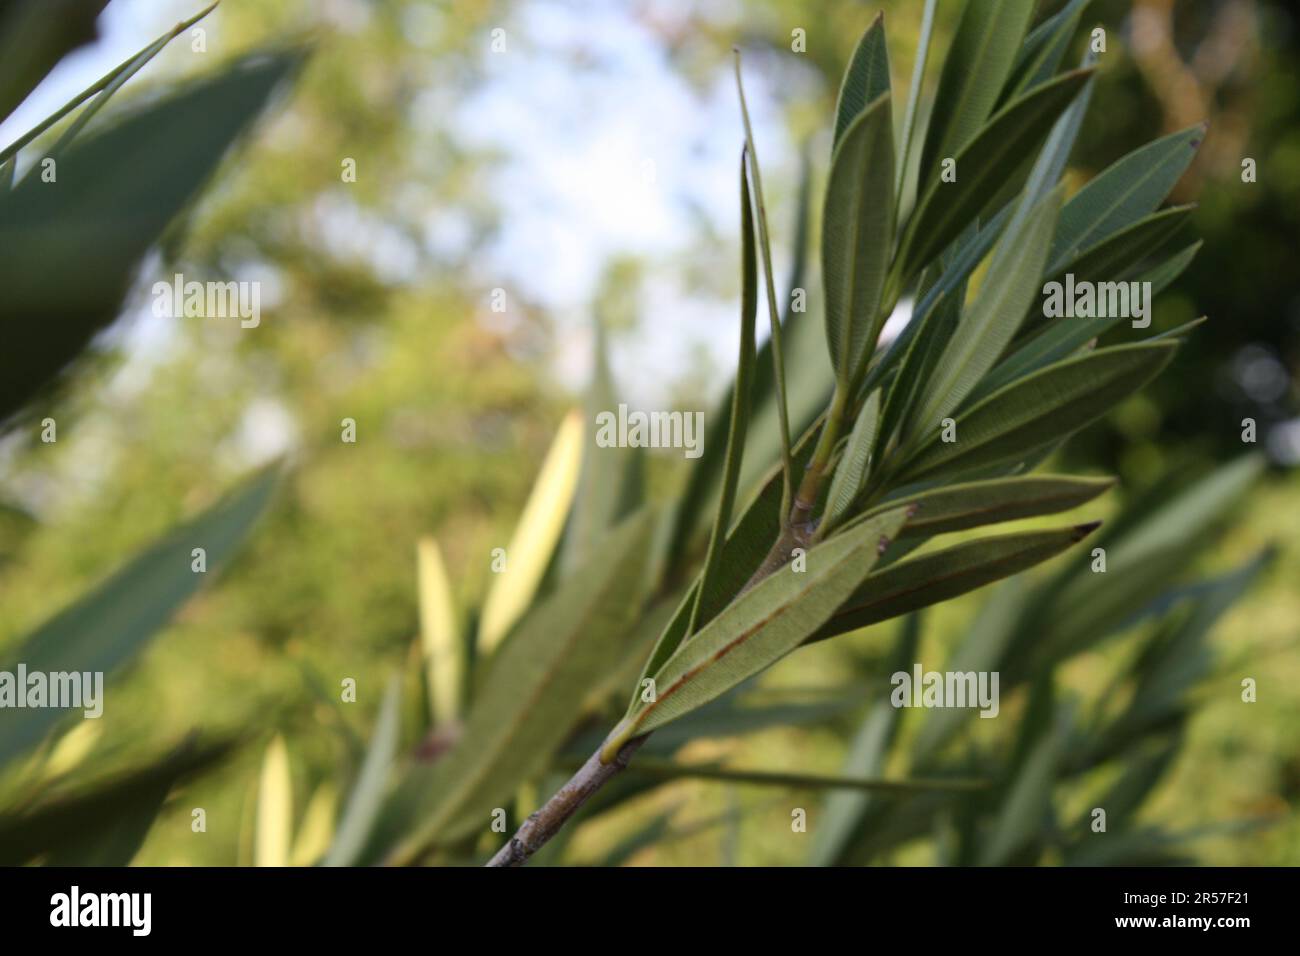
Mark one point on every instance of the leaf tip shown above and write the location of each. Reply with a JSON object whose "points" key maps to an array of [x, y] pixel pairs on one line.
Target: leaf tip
{"points": [[1082, 531]]}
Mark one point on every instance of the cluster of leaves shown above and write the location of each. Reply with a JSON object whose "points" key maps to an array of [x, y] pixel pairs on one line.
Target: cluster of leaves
{"points": [[72, 245], [606, 592], [1057, 760], [711, 585]]}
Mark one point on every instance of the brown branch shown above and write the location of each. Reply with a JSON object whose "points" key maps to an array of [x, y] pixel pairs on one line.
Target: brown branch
{"points": [[544, 823]]}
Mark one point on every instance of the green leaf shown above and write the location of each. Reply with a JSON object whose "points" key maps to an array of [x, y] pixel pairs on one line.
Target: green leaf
{"points": [[945, 209], [867, 757], [909, 152], [940, 575], [1044, 49], [807, 350], [1123, 193], [1119, 255], [774, 321], [857, 233], [1061, 337], [107, 627], [851, 473], [740, 400], [106, 86], [762, 625], [667, 770], [34, 36], [1047, 405], [535, 690], [866, 79], [532, 546], [1026, 809], [116, 190], [993, 316], [977, 503], [1147, 547], [103, 823], [983, 51], [367, 794], [966, 254]]}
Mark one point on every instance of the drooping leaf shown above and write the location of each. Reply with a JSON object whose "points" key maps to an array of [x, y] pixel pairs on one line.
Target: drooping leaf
{"points": [[533, 543], [936, 576], [110, 625], [866, 79], [116, 190], [534, 691], [974, 504], [857, 233], [945, 208], [983, 51], [762, 626], [1045, 406]]}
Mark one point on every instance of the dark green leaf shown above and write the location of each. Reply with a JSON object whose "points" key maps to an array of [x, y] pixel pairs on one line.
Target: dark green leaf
{"points": [[109, 626]]}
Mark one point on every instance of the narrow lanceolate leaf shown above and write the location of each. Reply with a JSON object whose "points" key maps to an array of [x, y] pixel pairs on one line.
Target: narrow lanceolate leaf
{"points": [[761, 627], [983, 51], [1059, 338], [116, 191], [1048, 405], [368, 792], [109, 626], [966, 255], [105, 86], [1044, 49], [977, 503], [274, 807], [773, 310], [866, 79], [34, 36], [1120, 254], [1124, 192], [851, 473], [439, 636], [740, 398], [535, 690], [908, 152], [533, 543], [857, 232], [945, 208], [936, 576], [994, 315]]}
